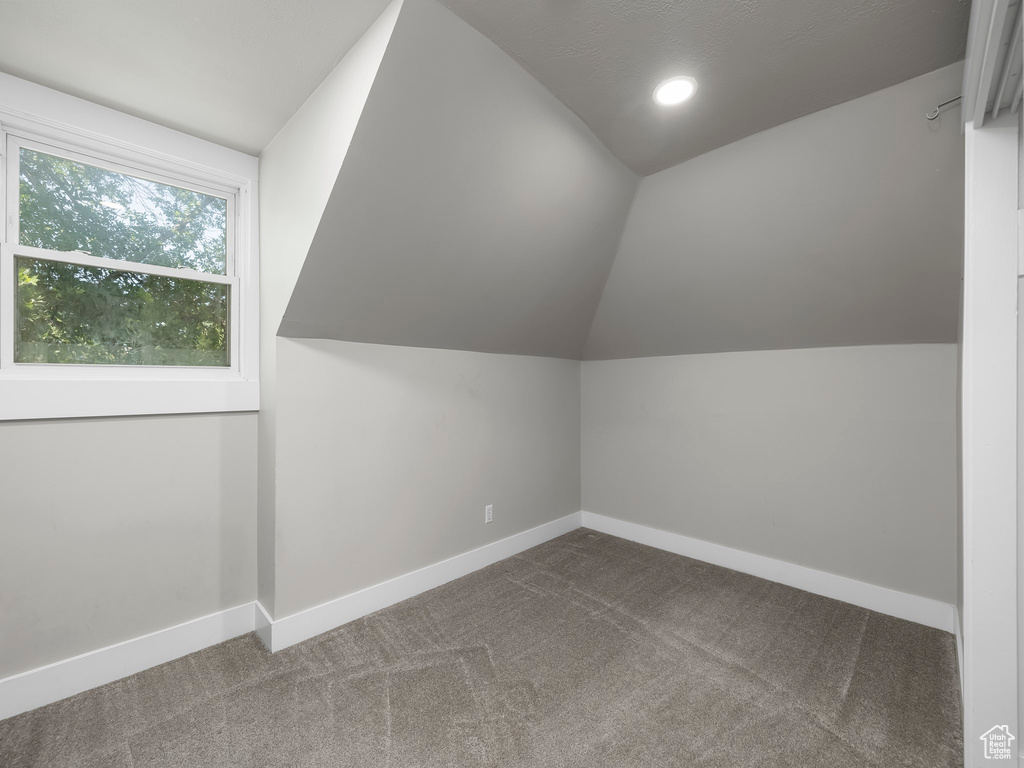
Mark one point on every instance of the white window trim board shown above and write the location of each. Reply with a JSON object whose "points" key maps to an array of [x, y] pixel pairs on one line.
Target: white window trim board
{"points": [[988, 406], [39, 392]]}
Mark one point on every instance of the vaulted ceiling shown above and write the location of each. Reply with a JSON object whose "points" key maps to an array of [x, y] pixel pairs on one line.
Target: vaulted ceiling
{"points": [[231, 71], [234, 71], [759, 63], [474, 210], [841, 228]]}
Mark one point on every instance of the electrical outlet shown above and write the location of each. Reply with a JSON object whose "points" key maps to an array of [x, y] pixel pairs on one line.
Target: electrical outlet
{"points": [[488, 513]]}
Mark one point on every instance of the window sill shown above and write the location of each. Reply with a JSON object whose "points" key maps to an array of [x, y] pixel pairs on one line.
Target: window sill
{"points": [[65, 398]]}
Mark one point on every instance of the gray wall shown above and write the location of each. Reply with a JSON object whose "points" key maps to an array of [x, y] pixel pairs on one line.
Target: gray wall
{"points": [[298, 170], [473, 211], [840, 459], [377, 460], [114, 528], [1020, 159], [388, 455], [844, 227]]}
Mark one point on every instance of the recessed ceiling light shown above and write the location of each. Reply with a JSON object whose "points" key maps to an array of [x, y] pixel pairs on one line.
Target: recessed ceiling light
{"points": [[675, 91]]}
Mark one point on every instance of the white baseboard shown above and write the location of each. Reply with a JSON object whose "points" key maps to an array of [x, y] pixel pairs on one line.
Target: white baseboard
{"points": [[922, 610], [313, 621], [263, 624], [960, 655], [45, 685], [53, 682], [37, 687]]}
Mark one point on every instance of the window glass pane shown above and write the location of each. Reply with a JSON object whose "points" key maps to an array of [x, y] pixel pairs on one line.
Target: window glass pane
{"points": [[70, 206], [75, 314]]}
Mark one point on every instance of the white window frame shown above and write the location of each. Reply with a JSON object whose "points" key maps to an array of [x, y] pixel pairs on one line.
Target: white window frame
{"points": [[39, 391]]}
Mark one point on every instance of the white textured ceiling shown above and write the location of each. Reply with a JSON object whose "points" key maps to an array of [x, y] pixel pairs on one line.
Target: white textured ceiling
{"points": [[231, 71], [234, 71], [759, 63]]}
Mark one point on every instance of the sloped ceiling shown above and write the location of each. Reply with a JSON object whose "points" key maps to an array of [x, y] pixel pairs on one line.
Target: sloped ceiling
{"points": [[230, 71], [842, 228], [235, 70], [476, 211], [758, 63], [473, 210], [299, 168]]}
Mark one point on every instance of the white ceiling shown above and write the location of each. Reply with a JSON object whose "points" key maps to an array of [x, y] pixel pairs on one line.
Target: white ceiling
{"points": [[234, 71], [231, 71]]}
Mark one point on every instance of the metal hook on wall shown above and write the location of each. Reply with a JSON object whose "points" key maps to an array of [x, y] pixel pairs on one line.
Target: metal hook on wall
{"points": [[935, 113]]}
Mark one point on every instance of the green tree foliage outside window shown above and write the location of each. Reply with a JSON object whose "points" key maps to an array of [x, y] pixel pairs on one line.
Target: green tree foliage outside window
{"points": [[70, 313]]}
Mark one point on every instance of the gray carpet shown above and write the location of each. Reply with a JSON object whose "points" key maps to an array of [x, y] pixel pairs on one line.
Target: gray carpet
{"points": [[586, 651]]}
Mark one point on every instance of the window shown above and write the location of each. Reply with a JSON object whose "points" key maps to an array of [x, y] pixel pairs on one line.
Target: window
{"points": [[126, 276], [112, 268]]}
